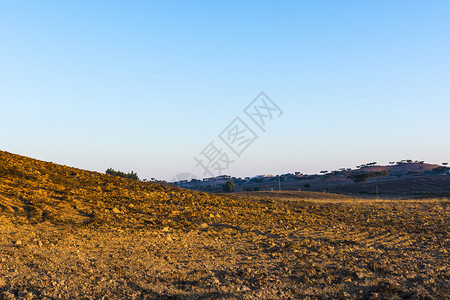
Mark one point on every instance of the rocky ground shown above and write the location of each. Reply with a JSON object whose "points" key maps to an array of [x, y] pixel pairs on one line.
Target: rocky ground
{"points": [[68, 233]]}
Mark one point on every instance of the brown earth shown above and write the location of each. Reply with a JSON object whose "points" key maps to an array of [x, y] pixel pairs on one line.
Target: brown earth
{"points": [[69, 233]]}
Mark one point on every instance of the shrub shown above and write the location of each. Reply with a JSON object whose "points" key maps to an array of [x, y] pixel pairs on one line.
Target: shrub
{"points": [[131, 175], [229, 186]]}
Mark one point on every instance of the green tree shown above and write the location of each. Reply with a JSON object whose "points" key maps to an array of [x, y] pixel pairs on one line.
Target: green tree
{"points": [[361, 177], [229, 186], [131, 175]]}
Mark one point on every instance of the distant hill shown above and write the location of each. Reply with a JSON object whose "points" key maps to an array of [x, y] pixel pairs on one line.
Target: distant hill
{"points": [[405, 179]]}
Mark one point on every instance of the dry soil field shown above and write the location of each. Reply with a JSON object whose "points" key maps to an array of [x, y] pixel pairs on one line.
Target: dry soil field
{"points": [[68, 233]]}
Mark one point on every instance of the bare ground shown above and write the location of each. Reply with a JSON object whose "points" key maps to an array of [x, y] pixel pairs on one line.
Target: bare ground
{"points": [[67, 233], [307, 249]]}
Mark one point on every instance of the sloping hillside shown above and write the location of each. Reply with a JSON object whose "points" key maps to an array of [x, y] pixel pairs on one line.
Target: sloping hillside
{"points": [[33, 191], [67, 233]]}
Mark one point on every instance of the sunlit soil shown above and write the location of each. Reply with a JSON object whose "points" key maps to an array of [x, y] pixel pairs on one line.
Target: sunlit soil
{"points": [[68, 233]]}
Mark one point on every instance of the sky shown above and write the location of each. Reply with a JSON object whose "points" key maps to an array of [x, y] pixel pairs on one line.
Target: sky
{"points": [[149, 85]]}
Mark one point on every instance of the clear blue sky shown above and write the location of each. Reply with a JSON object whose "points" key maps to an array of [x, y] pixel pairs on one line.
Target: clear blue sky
{"points": [[147, 85]]}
